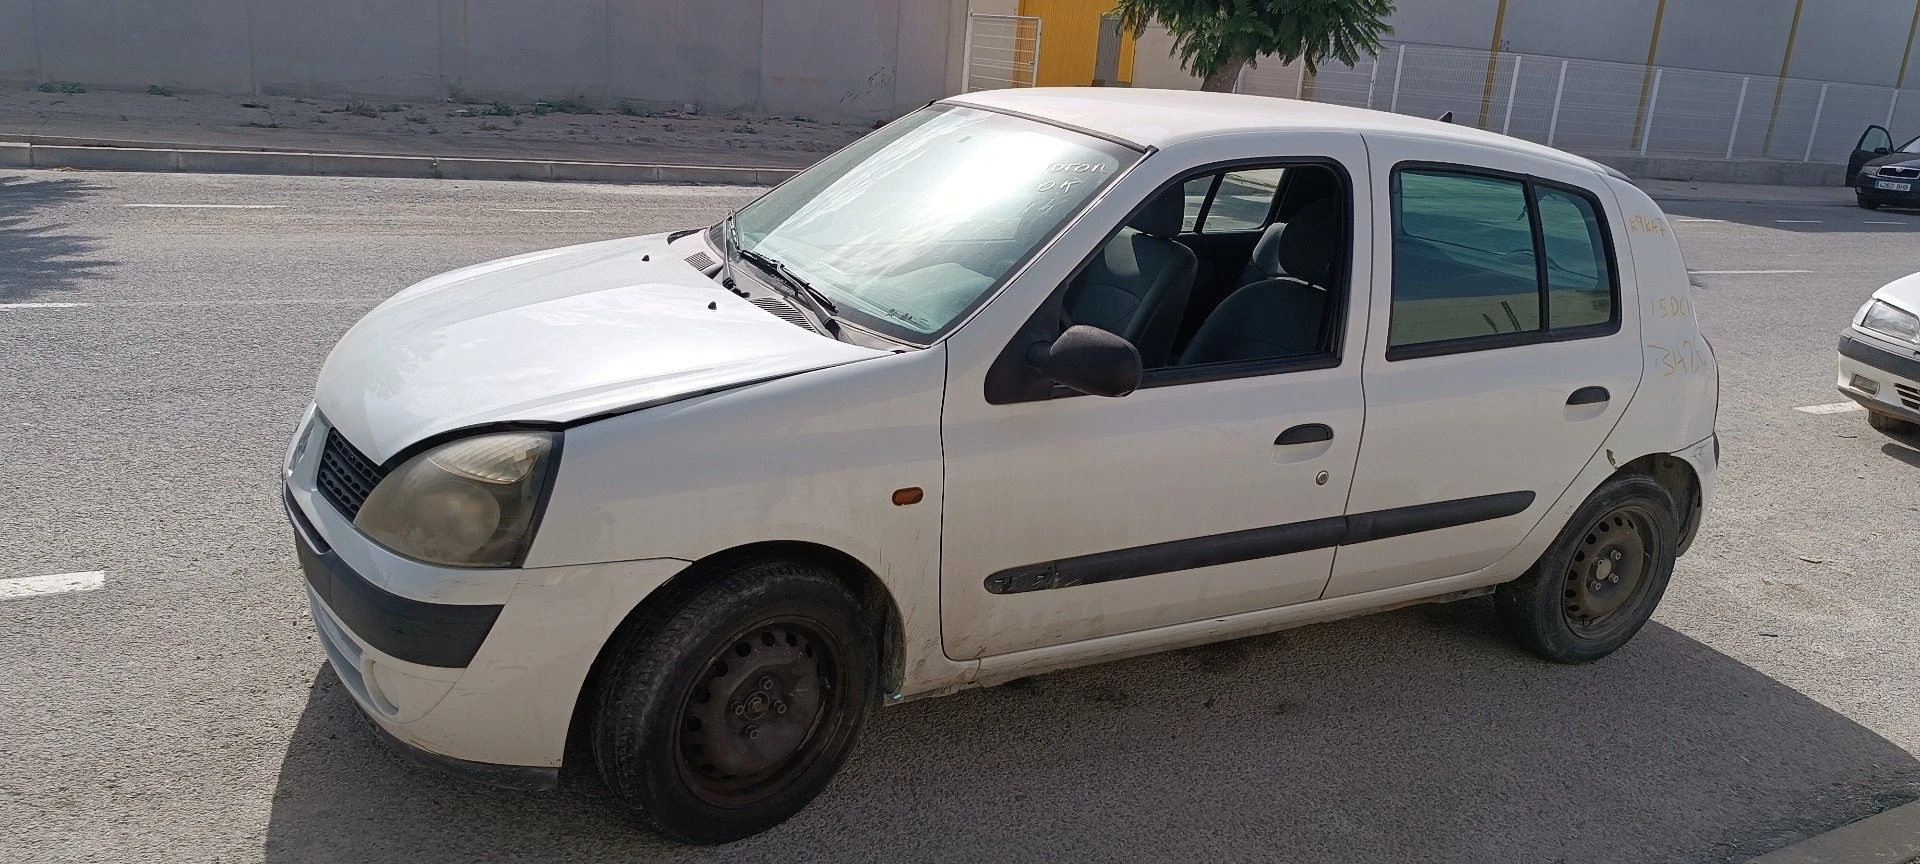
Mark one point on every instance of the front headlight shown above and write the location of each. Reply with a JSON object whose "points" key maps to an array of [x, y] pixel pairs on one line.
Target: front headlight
{"points": [[1869, 171], [470, 503], [1886, 318]]}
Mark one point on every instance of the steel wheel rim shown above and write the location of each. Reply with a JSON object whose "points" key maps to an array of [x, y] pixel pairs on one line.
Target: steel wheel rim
{"points": [[756, 716], [1610, 572]]}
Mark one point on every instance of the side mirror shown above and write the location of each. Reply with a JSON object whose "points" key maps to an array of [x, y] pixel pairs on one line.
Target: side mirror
{"points": [[1881, 151], [1089, 360]]}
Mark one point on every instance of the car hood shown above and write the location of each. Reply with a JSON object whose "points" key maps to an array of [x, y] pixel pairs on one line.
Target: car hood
{"points": [[1903, 292], [553, 336], [1904, 160]]}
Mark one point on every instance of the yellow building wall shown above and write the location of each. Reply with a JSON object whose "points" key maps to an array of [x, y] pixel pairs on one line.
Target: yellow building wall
{"points": [[1070, 40]]}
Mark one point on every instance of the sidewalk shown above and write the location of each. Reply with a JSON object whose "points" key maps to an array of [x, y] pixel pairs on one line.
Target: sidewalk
{"points": [[526, 139], [1665, 191]]}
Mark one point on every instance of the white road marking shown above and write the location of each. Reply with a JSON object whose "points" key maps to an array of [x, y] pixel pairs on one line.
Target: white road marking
{"points": [[43, 305], [203, 206], [1831, 408], [58, 583], [1871, 222], [1799, 221], [524, 210], [1744, 272], [1695, 219]]}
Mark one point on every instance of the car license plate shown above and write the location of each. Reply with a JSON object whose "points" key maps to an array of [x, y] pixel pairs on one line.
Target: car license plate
{"points": [[1892, 186]]}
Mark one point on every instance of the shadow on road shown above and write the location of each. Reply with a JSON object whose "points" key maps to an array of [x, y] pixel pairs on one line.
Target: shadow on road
{"points": [[37, 259], [1904, 449], [1412, 736]]}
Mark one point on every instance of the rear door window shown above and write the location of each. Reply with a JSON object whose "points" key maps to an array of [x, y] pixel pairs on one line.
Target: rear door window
{"points": [[1483, 261]]}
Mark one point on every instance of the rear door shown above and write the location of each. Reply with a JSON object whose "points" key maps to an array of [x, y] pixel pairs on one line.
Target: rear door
{"points": [[1499, 355], [1873, 143]]}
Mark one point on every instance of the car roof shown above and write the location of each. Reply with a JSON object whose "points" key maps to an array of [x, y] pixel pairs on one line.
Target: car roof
{"points": [[1158, 118]]}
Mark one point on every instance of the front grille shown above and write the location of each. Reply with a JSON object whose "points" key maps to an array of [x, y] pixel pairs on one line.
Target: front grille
{"points": [[1909, 396], [346, 477], [1897, 171], [784, 311]]}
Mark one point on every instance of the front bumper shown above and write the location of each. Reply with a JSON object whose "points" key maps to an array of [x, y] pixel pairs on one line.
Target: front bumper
{"points": [[1894, 371], [1863, 187], [473, 671]]}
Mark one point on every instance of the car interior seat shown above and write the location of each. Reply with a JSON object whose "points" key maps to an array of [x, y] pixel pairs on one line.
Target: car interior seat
{"points": [[1284, 315], [1137, 286]]}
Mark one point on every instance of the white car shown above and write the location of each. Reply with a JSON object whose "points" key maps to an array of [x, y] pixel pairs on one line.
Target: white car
{"points": [[1025, 380], [1880, 357]]}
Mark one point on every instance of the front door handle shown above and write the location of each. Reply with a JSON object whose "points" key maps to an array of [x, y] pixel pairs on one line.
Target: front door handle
{"points": [[1589, 396], [1305, 433]]}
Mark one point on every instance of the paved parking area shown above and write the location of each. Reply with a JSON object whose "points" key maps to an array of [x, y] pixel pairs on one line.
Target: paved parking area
{"points": [[161, 698]]}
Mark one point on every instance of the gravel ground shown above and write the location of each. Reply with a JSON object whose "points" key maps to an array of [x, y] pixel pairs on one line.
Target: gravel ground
{"points": [[184, 713]]}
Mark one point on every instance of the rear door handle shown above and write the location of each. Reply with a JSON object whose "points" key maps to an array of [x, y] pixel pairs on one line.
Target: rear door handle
{"points": [[1305, 433], [1589, 396]]}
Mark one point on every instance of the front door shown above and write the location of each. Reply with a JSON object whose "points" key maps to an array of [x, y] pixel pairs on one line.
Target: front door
{"points": [[1873, 143], [1214, 489], [1500, 356]]}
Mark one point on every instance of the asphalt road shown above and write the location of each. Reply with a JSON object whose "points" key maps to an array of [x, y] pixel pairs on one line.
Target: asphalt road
{"points": [[184, 712]]}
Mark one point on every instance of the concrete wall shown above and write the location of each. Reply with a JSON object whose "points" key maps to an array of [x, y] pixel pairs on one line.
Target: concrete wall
{"points": [[829, 59], [1850, 41]]}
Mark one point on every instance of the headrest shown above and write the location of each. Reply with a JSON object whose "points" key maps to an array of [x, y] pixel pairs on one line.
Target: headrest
{"points": [[1163, 215], [1310, 243], [1265, 261]]}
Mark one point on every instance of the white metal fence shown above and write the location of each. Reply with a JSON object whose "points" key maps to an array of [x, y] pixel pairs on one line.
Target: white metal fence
{"points": [[1594, 106], [1002, 51]]}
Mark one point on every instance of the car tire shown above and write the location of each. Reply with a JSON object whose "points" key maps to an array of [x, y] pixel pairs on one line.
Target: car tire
{"points": [[725, 715], [1890, 423], [1866, 202], [1614, 558]]}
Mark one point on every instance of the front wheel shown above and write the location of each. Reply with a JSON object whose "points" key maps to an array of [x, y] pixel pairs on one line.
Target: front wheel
{"points": [[1601, 579], [1866, 202], [724, 717]]}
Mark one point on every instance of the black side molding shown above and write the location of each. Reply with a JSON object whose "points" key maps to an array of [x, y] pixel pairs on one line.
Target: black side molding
{"points": [[1254, 543], [430, 634]]}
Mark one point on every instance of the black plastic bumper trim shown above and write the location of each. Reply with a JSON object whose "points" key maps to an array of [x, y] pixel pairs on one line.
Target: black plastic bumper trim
{"points": [[430, 634], [1254, 543], [1905, 365]]}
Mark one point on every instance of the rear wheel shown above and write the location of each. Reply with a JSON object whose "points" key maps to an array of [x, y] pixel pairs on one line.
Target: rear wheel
{"points": [[1599, 582], [723, 718], [1866, 202], [1890, 423]]}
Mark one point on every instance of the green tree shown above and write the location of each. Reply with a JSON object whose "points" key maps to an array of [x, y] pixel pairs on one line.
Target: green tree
{"points": [[1216, 38]]}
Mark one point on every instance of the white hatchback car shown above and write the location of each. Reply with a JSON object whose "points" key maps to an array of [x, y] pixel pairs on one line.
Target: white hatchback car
{"points": [[1022, 381], [1880, 357]]}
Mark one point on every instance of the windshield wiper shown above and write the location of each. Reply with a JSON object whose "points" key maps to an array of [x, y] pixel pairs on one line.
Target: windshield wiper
{"points": [[823, 305]]}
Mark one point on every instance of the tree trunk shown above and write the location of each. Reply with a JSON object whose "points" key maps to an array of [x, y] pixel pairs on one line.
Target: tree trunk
{"points": [[1222, 79]]}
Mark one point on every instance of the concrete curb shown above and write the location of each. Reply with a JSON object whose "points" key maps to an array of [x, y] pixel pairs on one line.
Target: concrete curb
{"points": [[1892, 837], [17, 155], [1760, 172]]}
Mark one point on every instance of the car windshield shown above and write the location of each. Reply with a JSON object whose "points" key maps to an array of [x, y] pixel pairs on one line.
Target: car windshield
{"points": [[914, 225], [1910, 147]]}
